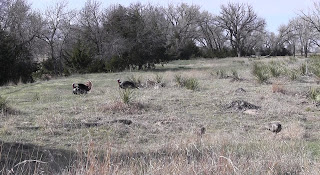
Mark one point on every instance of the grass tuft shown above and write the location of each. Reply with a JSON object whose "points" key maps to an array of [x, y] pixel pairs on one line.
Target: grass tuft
{"points": [[126, 95], [261, 72]]}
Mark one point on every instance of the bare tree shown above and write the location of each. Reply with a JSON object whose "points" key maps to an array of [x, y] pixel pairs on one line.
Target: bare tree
{"points": [[240, 22], [305, 34], [90, 22], [182, 24], [211, 36], [57, 27], [313, 17]]}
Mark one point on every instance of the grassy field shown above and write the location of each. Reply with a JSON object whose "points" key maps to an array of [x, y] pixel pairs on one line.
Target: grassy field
{"points": [[165, 134]]}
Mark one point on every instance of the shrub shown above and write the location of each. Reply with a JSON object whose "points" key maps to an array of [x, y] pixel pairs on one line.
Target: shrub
{"points": [[314, 94], [261, 72], [315, 66], [235, 75], [221, 74], [3, 103], [304, 69], [293, 74], [179, 80], [191, 84], [126, 95], [275, 70], [159, 78]]}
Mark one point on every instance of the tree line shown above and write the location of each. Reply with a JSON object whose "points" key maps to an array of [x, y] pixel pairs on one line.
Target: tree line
{"points": [[62, 41]]}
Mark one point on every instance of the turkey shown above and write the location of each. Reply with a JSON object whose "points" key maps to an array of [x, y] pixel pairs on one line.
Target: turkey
{"points": [[81, 88], [127, 84]]}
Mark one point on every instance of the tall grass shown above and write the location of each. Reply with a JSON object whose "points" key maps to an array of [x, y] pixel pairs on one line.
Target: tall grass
{"points": [[189, 83], [3, 103], [126, 95], [314, 94], [261, 72]]}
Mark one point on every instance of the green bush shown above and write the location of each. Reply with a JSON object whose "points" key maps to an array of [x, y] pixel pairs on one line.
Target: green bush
{"points": [[314, 94], [261, 72], [294, 74], [126, 95], [191, 84]]}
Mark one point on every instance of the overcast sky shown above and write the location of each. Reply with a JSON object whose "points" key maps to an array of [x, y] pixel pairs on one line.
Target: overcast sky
{"points": [[275, 12]]}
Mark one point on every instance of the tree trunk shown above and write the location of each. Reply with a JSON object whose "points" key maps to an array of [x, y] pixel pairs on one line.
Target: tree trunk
{"points": [[306, 50]]}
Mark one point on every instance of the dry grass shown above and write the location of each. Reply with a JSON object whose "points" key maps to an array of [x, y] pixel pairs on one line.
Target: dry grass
{"points": [[164, 135]]}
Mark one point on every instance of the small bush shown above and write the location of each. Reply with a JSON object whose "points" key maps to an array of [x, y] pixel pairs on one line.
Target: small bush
{"points": [[314, 94], [221, 74], [293, 75], [275, 70], [304, 69], [235, 75], [159, 78], [3, 103], [261, 72], [179, 80], [191, 84], [126, 95]]}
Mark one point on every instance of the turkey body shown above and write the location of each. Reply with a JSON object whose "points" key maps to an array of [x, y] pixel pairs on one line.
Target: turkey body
{"points": [[81, 88], [127, 84]]}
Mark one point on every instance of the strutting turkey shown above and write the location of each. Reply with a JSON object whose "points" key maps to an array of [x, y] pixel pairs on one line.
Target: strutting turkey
{"points": [[127, 84], [81, 88]]}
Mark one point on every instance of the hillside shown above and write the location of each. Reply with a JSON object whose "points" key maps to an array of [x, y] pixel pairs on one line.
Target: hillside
{"points": [[165, 135]]}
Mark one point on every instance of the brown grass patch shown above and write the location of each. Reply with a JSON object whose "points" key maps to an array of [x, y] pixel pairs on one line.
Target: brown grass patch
{"points": [[278, 88]]}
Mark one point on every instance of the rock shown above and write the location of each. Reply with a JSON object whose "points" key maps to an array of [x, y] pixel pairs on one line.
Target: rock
{"points": [[274, 127]]}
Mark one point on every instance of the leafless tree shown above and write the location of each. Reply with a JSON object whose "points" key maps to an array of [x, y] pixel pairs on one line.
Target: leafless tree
{"points": [[305, 34], [182, 24], [90, 21], [240, 21], [211, 35], [57, 28]]}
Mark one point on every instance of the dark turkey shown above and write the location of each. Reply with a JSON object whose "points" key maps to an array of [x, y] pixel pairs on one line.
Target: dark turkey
{"points": [[127, 84], [81, 88]]}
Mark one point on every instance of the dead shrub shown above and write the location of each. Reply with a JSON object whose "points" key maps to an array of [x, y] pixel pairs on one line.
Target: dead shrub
{"points": [[278, 88]]}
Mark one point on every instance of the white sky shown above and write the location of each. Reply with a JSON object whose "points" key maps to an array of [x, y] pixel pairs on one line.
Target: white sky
{"points": [[275, 12]]}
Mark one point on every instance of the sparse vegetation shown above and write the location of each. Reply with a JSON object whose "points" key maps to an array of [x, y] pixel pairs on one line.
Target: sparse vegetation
{"points": [[155, 131], [261, 72], [158, 78], [3, 103], [189, 83], [221, 74], [314, 94], [275, 69], [126, 95]]}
